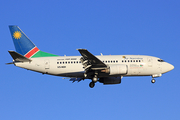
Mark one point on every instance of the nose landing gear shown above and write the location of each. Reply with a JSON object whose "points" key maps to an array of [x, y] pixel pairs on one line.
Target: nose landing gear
{"points": [[153, 80], [155, 76]]}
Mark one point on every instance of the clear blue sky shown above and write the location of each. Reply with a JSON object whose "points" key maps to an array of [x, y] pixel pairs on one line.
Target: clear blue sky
{"points": [[146, 27]]}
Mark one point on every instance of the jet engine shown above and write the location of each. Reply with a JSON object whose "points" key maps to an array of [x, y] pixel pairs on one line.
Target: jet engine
{"points": [[110, 80], [116, 69]]}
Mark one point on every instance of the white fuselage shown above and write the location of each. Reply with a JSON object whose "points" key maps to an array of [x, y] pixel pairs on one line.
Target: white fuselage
{"points": [[70, 66]]}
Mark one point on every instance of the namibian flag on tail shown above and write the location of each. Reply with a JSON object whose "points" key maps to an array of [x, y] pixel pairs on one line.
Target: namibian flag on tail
{"points": [[24, 45]]}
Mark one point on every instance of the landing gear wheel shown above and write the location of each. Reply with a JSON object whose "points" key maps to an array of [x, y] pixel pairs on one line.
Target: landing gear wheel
{"points": [[91, 84], [153, 80]]}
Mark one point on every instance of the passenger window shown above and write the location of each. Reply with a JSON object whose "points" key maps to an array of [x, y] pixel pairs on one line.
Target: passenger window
{"points": [[122, 61], [139, 60], [136, 60], [57, 62], [117, 61]]}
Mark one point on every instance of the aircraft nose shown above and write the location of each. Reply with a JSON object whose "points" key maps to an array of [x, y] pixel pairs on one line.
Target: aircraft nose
{"points": [[171, 67]]}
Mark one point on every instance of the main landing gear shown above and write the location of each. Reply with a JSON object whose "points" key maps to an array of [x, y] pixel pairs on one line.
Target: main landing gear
{"points": [[94, 80], [91, 84]]}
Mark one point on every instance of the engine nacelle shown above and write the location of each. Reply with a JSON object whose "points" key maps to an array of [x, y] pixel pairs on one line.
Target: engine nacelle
{"points": [[110, 80], [116, 69]]}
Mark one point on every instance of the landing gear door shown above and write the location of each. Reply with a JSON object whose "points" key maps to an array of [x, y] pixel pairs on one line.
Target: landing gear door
{"points": [[47, 65]]}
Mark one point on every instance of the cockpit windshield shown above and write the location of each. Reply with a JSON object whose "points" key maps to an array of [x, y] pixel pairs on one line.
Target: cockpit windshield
{"points": [[160, 60]]}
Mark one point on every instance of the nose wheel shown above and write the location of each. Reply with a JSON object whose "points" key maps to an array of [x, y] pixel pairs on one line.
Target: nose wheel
{"points": [[91, 84], [153, 80]]}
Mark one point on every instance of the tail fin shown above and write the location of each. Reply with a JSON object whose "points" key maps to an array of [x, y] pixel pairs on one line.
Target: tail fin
{"points": [[24, 45]]}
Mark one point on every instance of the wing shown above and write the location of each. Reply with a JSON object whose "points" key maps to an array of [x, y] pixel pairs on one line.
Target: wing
{"points": [[90, 61]]}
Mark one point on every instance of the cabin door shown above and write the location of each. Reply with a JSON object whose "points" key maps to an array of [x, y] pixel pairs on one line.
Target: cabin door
{"points": [[150, 62], [47, 65]]}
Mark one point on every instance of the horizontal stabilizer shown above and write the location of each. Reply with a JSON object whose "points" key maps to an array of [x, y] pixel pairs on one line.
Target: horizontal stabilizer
{"points": [[18, 57], [9, 63]]}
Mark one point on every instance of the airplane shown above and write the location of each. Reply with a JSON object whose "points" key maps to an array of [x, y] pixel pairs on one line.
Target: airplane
{"points": [[106, 69]]}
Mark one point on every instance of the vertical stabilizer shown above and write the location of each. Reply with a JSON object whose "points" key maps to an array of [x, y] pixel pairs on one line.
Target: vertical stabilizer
{"points": [[22, 43]]}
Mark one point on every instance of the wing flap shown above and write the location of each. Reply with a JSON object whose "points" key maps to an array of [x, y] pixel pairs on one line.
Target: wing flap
{"points": [[91, 59]]}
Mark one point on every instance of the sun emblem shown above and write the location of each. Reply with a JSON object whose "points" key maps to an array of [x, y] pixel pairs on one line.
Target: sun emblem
{"points": [[17, 35], [123, 56]]}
